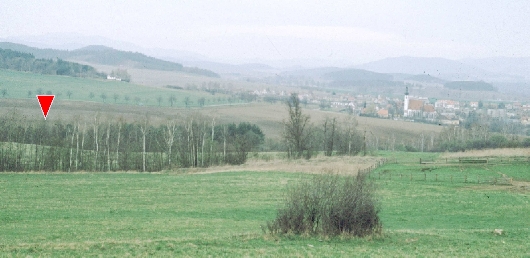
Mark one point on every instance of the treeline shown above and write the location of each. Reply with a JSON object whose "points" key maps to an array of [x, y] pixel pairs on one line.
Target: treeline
{"points": [[199, 71], [26, 62], [475, 138], [357, 75], [470, 85], [109, 56], [304, 139], [333, 137], [116, 145], [481, 132]]}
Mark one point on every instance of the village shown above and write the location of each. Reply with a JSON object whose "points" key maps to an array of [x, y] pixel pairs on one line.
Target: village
{"points": [[411, 108]]}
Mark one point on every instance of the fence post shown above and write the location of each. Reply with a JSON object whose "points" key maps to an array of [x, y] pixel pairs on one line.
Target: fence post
{"points": [[425, 176], [436, 178], [465, 179]]}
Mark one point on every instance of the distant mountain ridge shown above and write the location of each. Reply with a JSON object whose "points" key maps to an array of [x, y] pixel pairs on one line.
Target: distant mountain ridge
{"points": [[109, 56], [515, 66], [99, 54], [356, 75], [470, 86], [446, 69]]}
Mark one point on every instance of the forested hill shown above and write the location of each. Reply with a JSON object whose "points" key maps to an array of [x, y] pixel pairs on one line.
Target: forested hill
{"points": [[470, 86], [15, 60], [357, 75], [109, 56], [45, 53]]}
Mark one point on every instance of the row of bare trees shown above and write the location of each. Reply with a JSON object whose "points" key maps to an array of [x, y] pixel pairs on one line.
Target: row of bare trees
{"points": [[110, 144], [334, 137], [455, 138], [302, 138]]}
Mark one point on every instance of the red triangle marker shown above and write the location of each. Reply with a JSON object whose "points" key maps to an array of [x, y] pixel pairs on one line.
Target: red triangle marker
{"points": [[45, 102]]}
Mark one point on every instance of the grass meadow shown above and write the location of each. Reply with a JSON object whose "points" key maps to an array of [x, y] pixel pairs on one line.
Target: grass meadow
{"points": [[219, 214]]}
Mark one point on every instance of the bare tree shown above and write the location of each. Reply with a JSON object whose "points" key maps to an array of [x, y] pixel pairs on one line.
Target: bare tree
{"points": [[73, 132], [201, 101], [159, 100], [172, 99], [329, 135], [187, 101], [115, 96], [211, 144], [103, 96], [96, 143], [77, 156], [144, 127], [120, 124], [204, 132], [107, 143], [69, 94], [225, 134], [169, 136], [297, 129]]}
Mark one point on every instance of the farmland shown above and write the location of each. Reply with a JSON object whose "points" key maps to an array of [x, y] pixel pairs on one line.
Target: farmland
{"points": [[143, 100], [20, 84], [188, 213], [442, 207]]}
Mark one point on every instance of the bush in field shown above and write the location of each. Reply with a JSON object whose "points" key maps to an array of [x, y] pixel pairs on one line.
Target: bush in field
{"points": [[329, 205]]}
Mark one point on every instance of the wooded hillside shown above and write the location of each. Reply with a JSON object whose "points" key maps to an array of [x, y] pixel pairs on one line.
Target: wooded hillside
{"points": [[26, 62]]}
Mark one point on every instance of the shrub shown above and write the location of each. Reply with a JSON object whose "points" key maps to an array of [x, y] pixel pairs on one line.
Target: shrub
{"points": [[329, 205]]}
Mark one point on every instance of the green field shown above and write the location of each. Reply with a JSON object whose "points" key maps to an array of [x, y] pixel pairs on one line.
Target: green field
{"points": [[18, 84], [220, 214]]}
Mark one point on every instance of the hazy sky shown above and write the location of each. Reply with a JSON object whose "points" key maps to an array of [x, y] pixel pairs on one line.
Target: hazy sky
{"points": [[338, 32]]}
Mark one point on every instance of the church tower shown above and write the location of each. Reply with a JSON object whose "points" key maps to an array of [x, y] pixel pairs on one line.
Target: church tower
{"points": [[406, 103]]}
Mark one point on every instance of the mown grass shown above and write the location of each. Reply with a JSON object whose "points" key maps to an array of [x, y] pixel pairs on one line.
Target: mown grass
{"points": [[18, 84], [220, 215]]}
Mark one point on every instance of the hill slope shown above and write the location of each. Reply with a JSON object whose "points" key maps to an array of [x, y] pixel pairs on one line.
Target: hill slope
{"points": [[357, 75], [517, 67], [19, 61], [108, 56], [437, 67]]}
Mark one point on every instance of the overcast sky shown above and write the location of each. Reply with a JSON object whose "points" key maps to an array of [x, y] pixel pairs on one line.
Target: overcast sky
{"points": [[338, 32]]}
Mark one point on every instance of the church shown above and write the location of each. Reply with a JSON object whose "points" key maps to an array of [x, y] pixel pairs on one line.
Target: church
{"points": [[419, 108]]}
